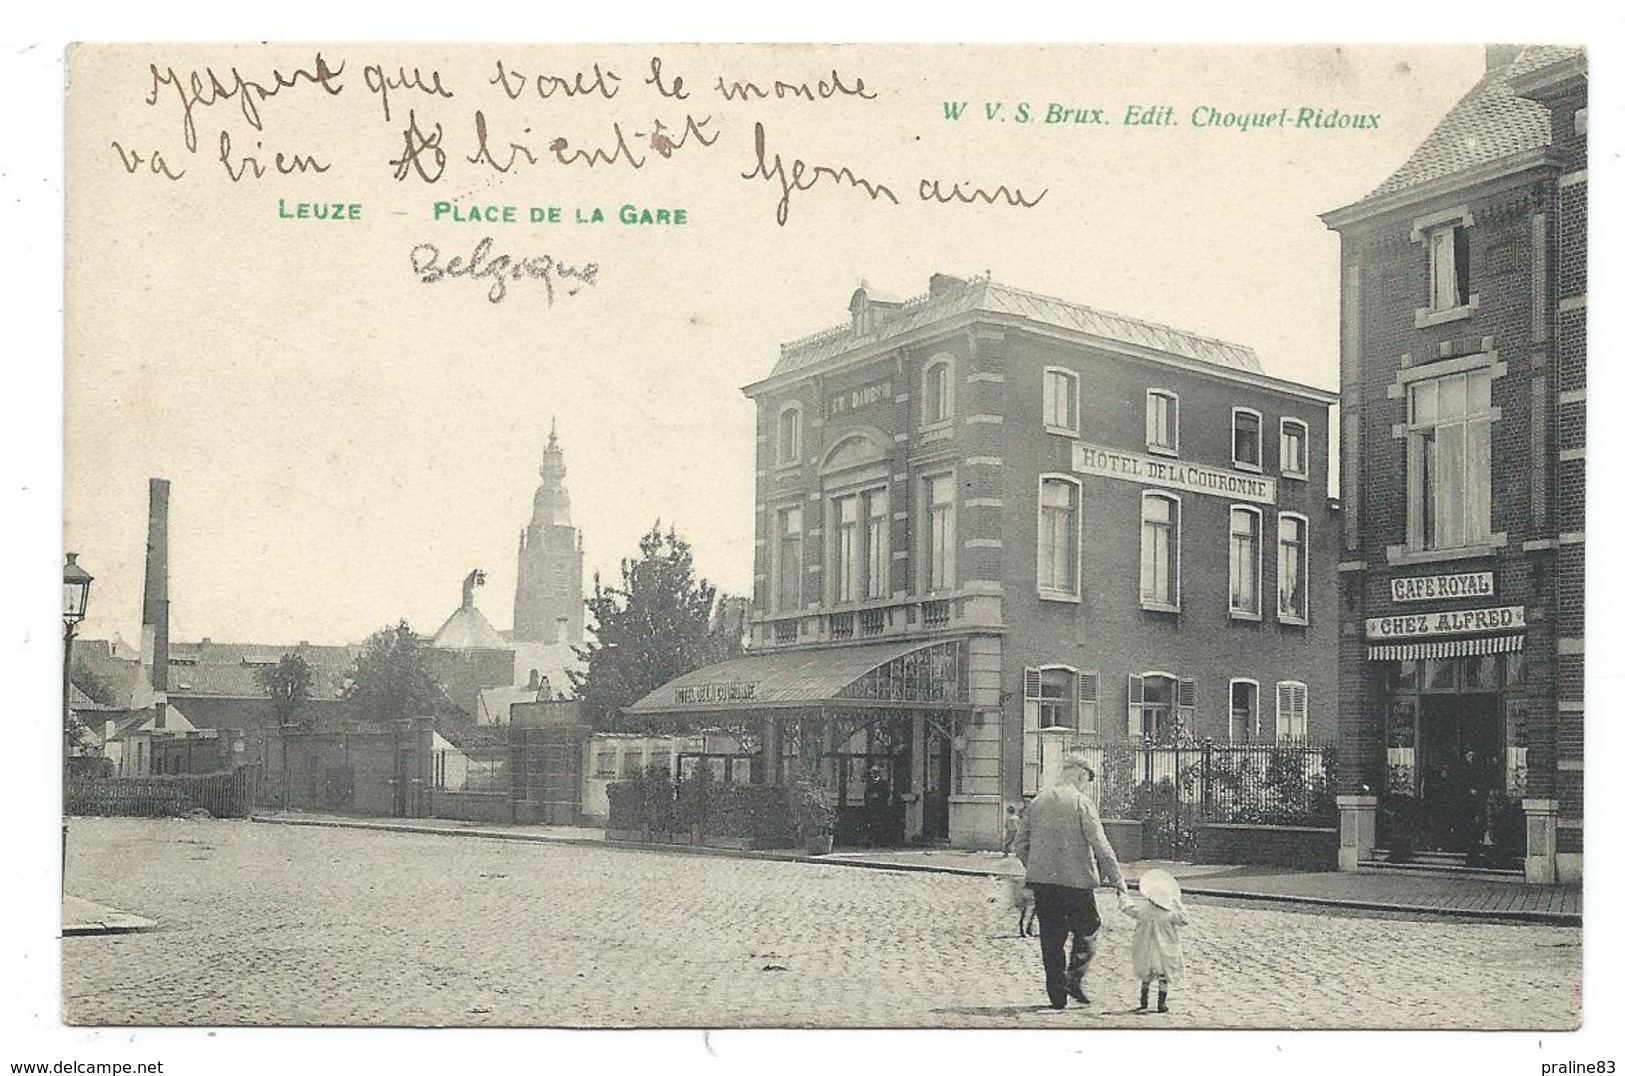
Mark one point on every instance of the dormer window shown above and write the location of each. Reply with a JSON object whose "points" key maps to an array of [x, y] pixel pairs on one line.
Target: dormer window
{"points": [[790, 434], [937, 391]]}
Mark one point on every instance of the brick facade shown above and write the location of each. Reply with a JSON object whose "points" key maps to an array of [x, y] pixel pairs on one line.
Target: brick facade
{"points": [[1520, 218], [861, 412]]}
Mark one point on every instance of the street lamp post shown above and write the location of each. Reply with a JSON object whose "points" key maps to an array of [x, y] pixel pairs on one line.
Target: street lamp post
{"points": [[75, 599]]}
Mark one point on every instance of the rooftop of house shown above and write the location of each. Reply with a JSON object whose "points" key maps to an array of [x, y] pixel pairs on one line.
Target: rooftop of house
{"points": [[1490, 121], [874, 320]]}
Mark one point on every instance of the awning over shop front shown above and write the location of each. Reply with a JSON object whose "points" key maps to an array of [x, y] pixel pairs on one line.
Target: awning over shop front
{"points": [[1446, 648], [902, 674]]}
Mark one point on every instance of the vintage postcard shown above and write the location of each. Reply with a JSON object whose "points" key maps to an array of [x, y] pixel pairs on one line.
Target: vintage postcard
{"points": [[639, 536]]}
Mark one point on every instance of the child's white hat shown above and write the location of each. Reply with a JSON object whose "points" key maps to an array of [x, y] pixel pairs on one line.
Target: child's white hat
{"points": [[1161, 888]]}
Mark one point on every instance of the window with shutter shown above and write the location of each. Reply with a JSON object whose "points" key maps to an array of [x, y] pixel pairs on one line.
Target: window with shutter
{"points": [[1291, 710], [1186, 703], [1032, 692], [1136, 706], [1088, 702]]}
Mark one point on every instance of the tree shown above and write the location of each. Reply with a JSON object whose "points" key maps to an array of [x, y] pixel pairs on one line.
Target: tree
{"points": [[391, 679], [96, 689], [656, 626], [287, 684]]}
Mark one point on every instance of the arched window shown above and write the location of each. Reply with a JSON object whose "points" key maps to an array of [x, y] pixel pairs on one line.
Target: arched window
{"points": [[1159, 551], [1244, 718], [1058, 537], [1245, 553], [937, 391], [790, 434], [1292, 567], [1060, 400]]}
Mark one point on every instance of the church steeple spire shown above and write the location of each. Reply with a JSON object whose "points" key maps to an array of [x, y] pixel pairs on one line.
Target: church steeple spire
{"points": [[547, 601]]}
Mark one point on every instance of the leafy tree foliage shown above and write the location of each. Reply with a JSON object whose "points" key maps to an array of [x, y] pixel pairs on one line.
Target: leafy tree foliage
{"points": [[288, 684], [96, 689], [391, 678], [657, 625]]}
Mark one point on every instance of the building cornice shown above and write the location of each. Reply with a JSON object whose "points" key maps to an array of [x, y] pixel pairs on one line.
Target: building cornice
{"points": [[1554, 81], [1512, 166], [960, 323]]}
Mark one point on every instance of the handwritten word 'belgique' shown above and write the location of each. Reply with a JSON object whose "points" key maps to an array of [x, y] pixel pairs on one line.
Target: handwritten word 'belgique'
{"points": [[502, 270]]}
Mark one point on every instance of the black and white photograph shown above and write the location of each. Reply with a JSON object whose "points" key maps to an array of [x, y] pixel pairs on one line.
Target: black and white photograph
{"points": [[1027, 538]]}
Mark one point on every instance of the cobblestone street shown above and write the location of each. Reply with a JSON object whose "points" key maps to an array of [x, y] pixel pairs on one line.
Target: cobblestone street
{"points": [[282, 925]]}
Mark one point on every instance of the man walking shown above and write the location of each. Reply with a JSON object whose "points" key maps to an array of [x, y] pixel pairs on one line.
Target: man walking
{"points": [[1060, 841]]}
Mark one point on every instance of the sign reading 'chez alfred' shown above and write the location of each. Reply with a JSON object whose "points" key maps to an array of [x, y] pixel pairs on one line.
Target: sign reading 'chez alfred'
{"points": [[1421, 588], [1172, 474], [1452, 622], [723, 692]]}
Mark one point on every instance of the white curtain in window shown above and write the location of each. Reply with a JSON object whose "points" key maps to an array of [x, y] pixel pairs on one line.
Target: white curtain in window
{"points": [[1157, 550], [1442, 246], [1243, 561]]}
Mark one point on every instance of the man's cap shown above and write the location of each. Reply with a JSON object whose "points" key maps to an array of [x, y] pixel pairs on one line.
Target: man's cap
{"points": [[1077, 760]]}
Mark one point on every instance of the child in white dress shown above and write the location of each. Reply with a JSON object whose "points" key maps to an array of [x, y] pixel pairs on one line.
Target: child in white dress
{"points": [[1157, 954]]}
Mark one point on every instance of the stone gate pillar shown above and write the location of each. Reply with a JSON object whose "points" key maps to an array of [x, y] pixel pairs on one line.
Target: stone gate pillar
{"points": [[1358, 830]]}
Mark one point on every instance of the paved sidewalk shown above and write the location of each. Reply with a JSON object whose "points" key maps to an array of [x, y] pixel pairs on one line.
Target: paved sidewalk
{"points": [[1373, 890], [81, 917]]}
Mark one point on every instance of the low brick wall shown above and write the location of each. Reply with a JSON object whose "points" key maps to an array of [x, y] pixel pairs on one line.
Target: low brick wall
{"points": [[473, 806], [1304, 847], [1127, 836]]}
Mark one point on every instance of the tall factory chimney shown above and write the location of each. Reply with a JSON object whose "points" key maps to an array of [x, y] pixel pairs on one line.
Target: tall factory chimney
{"points": [[155, 596]]}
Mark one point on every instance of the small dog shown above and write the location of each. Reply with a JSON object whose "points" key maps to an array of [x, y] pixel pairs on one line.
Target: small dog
{"points": [[1023, 903]]}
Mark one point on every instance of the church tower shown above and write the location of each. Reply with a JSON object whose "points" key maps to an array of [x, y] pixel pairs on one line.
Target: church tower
{"points": [[547, 604]]}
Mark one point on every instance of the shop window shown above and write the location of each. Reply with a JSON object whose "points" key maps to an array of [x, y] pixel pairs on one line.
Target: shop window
{"points": [[1294, 448], [1243, 710], [787, 592], [1058, 538], [1162, 421], [1448, 461], [937, 391], [1159, 552], [1246, 439], [1291, 710], [938, 546], [1060, 401], [790, 434], [1292, 569], [1245, 554]]}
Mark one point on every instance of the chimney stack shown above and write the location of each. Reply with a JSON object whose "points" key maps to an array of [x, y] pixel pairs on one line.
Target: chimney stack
{"points": [[155, 596]]}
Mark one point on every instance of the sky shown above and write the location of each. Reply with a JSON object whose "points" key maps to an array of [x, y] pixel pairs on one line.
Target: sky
{"points": [[345, 442]]}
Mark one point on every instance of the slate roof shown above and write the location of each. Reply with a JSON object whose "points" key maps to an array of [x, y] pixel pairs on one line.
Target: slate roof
{"points": [[467, 629], [981, 295], [1488, 123]]}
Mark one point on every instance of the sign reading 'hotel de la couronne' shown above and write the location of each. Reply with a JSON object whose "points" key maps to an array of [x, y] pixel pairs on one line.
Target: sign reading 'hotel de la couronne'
{"points": [[1172, 474]]}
